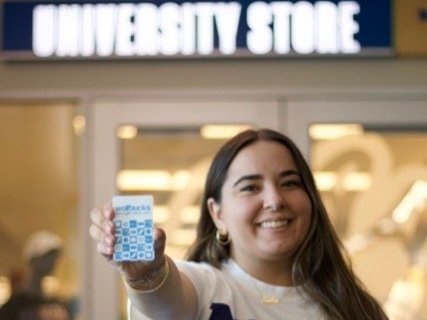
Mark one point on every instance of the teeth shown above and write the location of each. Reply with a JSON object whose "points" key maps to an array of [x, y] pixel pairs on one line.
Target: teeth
{"points": [[274, 224]]}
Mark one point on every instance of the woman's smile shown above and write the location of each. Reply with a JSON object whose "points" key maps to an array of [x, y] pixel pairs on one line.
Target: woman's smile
{"points": [[274, 224]]}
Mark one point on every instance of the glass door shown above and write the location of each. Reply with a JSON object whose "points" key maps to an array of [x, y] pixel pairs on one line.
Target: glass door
{"points": [[162, 148], [370, 165], [39, 196]]}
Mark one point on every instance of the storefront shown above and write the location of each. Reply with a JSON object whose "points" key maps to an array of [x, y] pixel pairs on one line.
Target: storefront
{"points": [[132, 109]]}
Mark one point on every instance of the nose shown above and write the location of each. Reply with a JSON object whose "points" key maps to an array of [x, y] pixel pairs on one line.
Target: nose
{"points": [[273, 199]]}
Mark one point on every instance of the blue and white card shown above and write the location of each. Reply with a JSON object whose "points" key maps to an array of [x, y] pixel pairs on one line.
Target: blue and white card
{"points": [[133, 228]]}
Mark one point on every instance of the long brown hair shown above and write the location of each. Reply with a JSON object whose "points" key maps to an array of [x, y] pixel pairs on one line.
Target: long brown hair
{"points": [[319, 264]]}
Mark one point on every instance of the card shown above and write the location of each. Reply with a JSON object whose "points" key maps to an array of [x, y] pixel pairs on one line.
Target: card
{"points": [[133, 228]]}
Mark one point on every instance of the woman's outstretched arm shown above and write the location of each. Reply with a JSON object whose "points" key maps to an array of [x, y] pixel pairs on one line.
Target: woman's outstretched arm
{"points": [[156, 288]]}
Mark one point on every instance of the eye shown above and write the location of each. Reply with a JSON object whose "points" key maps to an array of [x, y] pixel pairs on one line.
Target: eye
{"points": [[291, 183], [249, 188]]}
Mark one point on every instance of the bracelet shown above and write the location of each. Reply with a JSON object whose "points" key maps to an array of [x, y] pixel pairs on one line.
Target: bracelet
{"points": [[145, 285]]}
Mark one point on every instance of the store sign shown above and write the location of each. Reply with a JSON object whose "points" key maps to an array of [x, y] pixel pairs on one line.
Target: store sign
{"points": [[195, 29]]}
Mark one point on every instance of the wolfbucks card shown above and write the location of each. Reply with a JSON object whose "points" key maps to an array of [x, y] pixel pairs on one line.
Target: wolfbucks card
{"points": [[133, 228]]}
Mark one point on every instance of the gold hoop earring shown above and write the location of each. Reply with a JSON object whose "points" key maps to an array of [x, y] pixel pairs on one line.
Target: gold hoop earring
{"points": [[222, 238]]}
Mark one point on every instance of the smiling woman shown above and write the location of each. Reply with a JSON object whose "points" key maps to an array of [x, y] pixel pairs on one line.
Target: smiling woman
{"points": [[265, 210], [264, 246]]}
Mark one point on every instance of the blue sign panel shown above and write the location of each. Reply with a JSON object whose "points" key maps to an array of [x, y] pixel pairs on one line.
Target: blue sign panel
{"points": [[188, 29]]}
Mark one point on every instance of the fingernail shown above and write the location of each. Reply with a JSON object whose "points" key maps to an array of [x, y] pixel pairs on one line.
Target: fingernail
{"points": [[109, 240], [108, 227]]}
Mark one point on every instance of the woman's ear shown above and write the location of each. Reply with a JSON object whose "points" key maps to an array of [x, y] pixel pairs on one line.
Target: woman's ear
{"points": [[215, 212]]}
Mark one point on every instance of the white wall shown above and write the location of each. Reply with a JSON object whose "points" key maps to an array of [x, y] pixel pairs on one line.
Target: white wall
{"points": [[264, 76]]}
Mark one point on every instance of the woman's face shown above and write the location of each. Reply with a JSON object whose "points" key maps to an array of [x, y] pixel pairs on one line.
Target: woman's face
{"points": [[264, 208]]}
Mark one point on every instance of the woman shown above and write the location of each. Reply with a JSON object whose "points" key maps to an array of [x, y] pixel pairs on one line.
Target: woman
{"points": [[265, 248]]}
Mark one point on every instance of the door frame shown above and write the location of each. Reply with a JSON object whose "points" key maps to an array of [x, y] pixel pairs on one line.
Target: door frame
{"points": [[100, 282]]}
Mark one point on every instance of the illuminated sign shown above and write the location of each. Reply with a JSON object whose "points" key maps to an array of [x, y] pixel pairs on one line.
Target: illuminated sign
{"points": [[195, 29]]}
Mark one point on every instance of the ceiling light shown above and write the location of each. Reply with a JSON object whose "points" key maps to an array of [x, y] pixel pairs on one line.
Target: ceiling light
{"points": [[334, 131], [79, 124], [222, 131], [153, 180], [325, 180], [127, 132], [353, 181], [180, 179], [357, 181]]}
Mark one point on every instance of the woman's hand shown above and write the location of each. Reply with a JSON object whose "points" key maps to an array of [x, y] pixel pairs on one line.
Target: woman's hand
{"points": [[102, 231], [172, 295]]}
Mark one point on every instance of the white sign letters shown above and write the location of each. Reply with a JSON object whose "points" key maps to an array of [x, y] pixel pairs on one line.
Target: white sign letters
{"points": [[198, 28]]}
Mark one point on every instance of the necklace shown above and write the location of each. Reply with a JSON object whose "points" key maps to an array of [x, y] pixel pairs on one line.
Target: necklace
{"points": [[268, 298]]}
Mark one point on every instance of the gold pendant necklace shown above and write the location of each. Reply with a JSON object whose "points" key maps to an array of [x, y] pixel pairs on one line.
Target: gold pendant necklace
{"points": [[269, 300]]}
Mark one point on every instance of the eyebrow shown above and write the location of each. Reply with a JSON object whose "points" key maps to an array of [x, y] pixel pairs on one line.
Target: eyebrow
{"points": [[282, 174]]}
